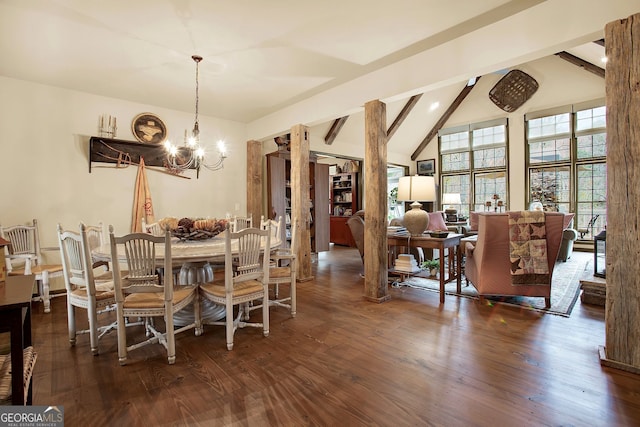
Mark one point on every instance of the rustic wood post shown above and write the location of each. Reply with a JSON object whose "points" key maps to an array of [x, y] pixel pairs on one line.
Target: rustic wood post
{"points": [[375, 220], [622, 82], [300, 203], [254, 180]]}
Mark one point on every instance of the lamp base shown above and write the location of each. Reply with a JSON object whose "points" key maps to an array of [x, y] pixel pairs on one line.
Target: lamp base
{"points": [[451, 214], [416, 220]]}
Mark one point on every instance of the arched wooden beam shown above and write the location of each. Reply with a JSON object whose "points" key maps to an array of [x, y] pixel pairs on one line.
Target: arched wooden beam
{"points": [[452, 108]]}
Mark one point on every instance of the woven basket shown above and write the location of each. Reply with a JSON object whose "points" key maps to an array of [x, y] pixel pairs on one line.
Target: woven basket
{"points": [[513, 90]]}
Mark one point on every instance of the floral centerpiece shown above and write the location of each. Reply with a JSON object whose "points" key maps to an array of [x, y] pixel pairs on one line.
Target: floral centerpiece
{"points": [[193, 229]]}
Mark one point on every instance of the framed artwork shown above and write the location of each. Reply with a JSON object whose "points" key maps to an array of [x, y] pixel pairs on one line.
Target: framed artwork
{"points": [[148, 128], [426, 167]]}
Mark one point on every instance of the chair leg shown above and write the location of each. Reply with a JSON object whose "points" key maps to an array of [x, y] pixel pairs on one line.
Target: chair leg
{"points": [[197, 312], [71, 322], [122, 336], [229, 325], [293, 296], [170, 334], [265, 311], [44, 291], [93, 328], [547, 302]]}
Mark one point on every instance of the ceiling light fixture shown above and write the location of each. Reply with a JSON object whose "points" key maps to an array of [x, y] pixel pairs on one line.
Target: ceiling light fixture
{"points": [[192, 155]]}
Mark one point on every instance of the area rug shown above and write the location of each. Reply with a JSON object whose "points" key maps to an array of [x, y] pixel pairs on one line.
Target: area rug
{"points": [[565, 288]]}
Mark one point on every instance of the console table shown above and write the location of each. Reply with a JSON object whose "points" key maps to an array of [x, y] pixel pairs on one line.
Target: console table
{"points": [[15, 318], [451, 243]]}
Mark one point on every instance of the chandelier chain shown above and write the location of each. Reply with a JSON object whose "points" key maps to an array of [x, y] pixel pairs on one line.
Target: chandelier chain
{"points": [[192, 154]]}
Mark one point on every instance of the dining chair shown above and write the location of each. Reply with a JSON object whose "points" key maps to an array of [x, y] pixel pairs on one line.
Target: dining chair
{"points": [[240, 223], [142, 292], [96, 237], [154, 228], [246, 278], [282, 267], [23, 257], [84, 289]]}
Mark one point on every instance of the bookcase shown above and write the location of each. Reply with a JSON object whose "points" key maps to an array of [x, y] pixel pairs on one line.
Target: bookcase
{"points": [[279, 196], [344, 203]]}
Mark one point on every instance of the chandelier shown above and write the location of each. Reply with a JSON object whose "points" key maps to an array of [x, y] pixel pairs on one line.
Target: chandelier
{"points": [[192, 155]]}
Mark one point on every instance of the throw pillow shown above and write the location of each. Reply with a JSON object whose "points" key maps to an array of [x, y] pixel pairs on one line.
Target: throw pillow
{"points": [[436, 221]]}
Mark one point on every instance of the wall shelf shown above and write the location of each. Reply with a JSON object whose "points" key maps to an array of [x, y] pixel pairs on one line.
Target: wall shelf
{"points": [[121, 152]]}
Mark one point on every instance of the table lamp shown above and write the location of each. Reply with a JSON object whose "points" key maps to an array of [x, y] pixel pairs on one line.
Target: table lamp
{"points": [[416, 188], [451, 199]]}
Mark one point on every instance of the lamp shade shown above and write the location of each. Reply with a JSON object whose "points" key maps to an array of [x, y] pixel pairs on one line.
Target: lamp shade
{"points": [[451, 199], [417, 188]]}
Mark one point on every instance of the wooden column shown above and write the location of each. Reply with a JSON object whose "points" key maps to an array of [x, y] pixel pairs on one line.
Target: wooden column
{"points": [[254, 180], [622, 82], [375, 220], [300, 204]]}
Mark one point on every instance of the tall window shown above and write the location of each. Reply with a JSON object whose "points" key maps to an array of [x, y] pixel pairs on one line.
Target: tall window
{"points": [[473, 162], [567, 168]]}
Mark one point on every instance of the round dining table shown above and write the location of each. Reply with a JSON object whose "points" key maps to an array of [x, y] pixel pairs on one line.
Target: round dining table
{"points": [[196, 260]]}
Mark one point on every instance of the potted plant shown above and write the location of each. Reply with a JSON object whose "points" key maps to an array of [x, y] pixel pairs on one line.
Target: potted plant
{"points": [[433, 265]]}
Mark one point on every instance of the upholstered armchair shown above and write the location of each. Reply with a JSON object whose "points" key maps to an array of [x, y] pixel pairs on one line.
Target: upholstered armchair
{"points": [[569, 235], [488, 265]]}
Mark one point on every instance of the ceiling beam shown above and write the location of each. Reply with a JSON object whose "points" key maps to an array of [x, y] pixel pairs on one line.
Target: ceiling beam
{"points": [[588, 66], [403, 115], [335, 128], [452, 108]]}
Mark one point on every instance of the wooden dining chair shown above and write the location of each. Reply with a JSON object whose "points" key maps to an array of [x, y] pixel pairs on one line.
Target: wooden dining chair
{"points": [[154, 228], [143, 292], [246, 278], [96, 237], [23, 257], [240, 223], [282, 268], [84, 289]]}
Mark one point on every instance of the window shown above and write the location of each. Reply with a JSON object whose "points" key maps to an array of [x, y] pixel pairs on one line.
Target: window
{"points": [[473, 162], [566, 159]]}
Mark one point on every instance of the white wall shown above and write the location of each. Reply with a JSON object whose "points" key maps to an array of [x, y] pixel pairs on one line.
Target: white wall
{"points": [[44, 134]]}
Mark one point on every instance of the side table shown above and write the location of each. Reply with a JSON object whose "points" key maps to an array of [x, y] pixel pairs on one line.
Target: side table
{"points": [[457, 224]]}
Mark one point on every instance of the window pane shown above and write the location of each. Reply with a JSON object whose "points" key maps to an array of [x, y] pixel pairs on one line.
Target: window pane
{"points": [[592, 118], [549, 125], [549, 151], [591, 198], [489, 136], [458, 184], [486, 185], [551, 186], [590, 146], [455, 162], [490, 158], [454, 141]]}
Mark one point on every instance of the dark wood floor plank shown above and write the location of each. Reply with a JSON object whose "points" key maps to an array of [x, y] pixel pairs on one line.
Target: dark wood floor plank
{"points": [[346, 361]]}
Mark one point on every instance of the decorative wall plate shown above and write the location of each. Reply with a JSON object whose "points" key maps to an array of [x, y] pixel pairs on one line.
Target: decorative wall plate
{"points": [[148, 128], [513, 90]]}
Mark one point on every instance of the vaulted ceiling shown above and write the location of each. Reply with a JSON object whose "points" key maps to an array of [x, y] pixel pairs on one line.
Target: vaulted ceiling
{"points": [[275, 63]]}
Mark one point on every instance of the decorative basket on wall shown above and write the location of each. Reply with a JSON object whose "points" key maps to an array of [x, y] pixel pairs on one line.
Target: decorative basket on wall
{"points": [[513, 90]]}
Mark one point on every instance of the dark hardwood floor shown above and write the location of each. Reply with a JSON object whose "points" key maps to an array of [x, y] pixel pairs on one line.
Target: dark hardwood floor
{"points": [[344, 361]]}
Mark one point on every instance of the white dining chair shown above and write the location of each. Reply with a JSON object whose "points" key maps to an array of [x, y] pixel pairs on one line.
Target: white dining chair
{"points": [[246, 278], [143, 292], [23, 257], [84, 289]]}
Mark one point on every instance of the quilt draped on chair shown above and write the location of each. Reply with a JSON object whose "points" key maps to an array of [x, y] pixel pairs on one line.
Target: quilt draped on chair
{"points": [[528, 248]]}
